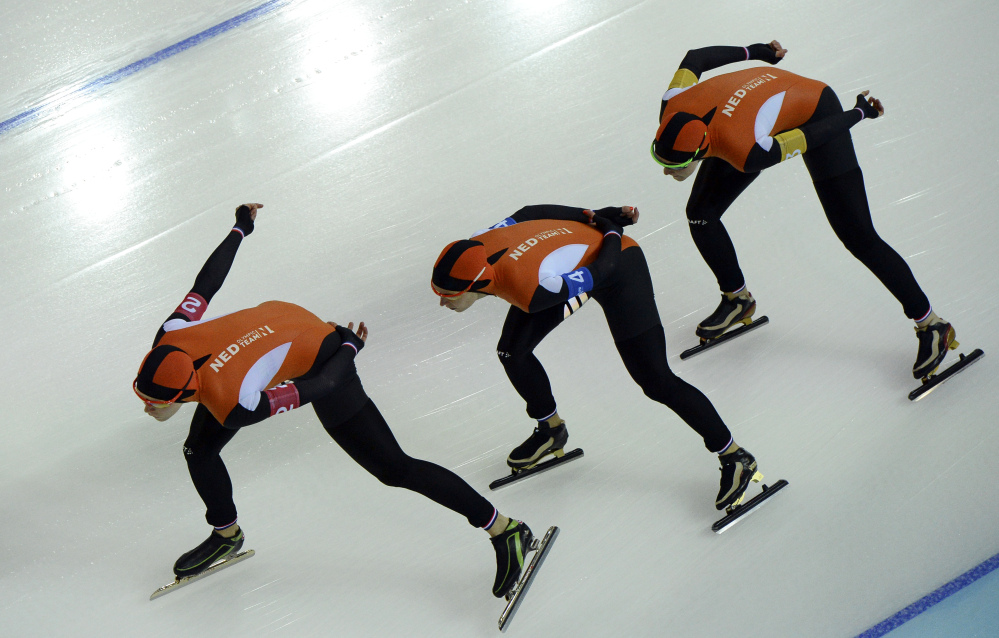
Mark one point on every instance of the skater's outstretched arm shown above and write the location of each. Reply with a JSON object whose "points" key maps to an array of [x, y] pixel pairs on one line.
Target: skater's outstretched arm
{"points": [[213, 273], [560, 288], [772, 150], [698, 61], [256, 406], [621, 215], [550, 211]]}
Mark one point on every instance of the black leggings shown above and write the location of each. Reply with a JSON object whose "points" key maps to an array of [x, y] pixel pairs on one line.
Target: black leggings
{"points": [[838, 182], [629, 305], [365, 436]]}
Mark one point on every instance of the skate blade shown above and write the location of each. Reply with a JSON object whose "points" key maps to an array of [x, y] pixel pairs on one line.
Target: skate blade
{"points": [[755, 503], [733, 331], [934, 381], [228, 561], [516, 596], [538, 468]]}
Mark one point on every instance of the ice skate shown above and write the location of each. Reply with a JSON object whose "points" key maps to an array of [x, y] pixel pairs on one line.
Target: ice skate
{"points": [[212, 556], [517, 589], [544, 441], [935, 340], [733, 318], [215, 548], [511, 547], [525, 460], [735, 308], [737, 470]]}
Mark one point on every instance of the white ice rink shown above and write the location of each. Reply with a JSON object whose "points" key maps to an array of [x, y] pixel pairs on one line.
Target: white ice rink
{"points": [[375, 132]]}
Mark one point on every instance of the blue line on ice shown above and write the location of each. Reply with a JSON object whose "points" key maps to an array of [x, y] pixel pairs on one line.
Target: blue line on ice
{"points": [[932, 599], [135, 67]]}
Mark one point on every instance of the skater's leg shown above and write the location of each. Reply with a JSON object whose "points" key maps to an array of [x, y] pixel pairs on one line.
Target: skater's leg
{"points": [[522, 332], [366, 437], [844, 200], [630, 308], [839, 183], [645, 358], [204, 442], [716, 186]]}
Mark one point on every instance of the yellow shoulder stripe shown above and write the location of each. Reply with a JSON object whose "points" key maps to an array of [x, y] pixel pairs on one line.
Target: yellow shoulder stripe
{"points": [[792, 143], [682, 79]]}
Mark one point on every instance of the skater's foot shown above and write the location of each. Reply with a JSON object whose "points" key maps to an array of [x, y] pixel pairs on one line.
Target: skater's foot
{"points": [[511, 547], [735, 308], [215, 548], [738, 468], [935, 339], [545, 440]]}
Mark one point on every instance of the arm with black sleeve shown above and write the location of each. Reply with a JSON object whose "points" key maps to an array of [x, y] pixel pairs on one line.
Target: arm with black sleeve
{"points": [[578, 283], [212, 275], [699, 61], [550, 211], [330, 375], [571, 214], [789, 144]]}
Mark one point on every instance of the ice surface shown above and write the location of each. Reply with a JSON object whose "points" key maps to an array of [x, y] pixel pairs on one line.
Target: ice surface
{"points": [[375, 133]]}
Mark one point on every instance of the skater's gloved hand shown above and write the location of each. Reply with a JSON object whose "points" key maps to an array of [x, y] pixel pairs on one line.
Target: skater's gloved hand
{"points": [[620, 215], [869, 106], [245, 216], [349, 338], [770, 53], [605, 225]]}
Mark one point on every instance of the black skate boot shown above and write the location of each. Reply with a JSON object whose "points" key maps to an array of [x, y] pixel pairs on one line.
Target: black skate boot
{"points": [[734, 308], [215, 548], [934, 342], [511, 547], [737, 470], [545, 440]]}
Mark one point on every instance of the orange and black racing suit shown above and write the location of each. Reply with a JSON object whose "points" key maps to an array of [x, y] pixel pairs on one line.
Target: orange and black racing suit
{"points": [[757, 118]]}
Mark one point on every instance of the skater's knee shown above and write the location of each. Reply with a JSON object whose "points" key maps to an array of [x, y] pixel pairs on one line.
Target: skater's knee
{"points": [[509, 351], [504, 356], [394, 474], [865, 247], [195, 454], [657, 393], [663, 389], [702, 214], [392, 478]]}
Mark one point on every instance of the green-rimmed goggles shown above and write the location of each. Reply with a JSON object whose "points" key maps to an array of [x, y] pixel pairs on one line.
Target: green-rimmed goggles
{"points": [[675, 167]]}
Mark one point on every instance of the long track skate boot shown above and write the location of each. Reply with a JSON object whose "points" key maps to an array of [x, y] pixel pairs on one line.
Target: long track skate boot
{"points": [[215, 548], [511, 546], [735, 307], [737, 470], [934, 342], [545, 440]]}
